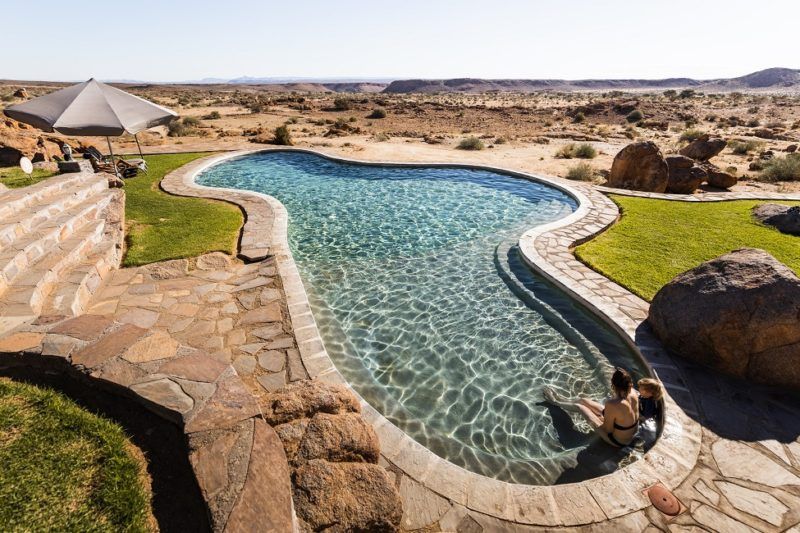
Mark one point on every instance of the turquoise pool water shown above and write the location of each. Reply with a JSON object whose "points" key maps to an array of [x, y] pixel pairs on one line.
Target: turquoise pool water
{"points": [[427, 310]]}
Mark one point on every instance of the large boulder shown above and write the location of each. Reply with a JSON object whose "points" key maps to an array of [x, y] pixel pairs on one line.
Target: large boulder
{"points": [[338, 497], [783, 217], [640, 167], [717, 177], [704, 148], [684, 176], [737, 313]]}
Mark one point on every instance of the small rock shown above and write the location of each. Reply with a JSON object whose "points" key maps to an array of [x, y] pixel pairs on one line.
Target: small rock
{"points": [[718, 178], [684, 176], [792, 148], [213, 261]]}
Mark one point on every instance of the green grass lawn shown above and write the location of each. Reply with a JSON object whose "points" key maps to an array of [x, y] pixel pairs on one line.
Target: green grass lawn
{"points": [[63, 468], [161, 226], [657, 239], [14, 177]]}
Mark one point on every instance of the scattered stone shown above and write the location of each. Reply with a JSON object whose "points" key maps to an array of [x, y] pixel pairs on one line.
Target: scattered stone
{"points": [[272, 360], [21, 93], [304, 399], [640, 167], [20, 342], [213, 261], [268, 332], [244, 365], [177, 268], [272, 382], [753, 502], [704, 148], [267, 313], [196, 366], [353, 496], [157, 345], [230, 404], [792, 148], [297, 371], [783, 217], [738, 460], [109, 346], [265, 503], [165, 393], [737, 314], [269, 295], [684, 176], [421, 507]]}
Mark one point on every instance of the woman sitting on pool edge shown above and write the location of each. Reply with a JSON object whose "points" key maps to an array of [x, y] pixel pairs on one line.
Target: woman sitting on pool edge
{"points": [[615, 422]]}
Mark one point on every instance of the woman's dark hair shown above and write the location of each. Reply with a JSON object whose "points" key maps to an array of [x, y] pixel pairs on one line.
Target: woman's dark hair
{"points": [[622, 382]]}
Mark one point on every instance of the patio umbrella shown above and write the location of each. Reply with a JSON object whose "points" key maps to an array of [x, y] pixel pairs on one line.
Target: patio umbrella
{"points": [[91, 108]]}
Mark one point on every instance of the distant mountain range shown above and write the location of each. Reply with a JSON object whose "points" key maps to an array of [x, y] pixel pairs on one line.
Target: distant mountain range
{"points": [[770, 80], [775, 79]]}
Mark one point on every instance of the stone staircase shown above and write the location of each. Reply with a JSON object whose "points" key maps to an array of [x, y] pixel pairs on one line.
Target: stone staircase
{"points": [[59, 239]]}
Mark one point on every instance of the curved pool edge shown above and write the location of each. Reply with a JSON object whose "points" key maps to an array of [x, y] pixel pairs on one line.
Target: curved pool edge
{"points": [[547, 249]]}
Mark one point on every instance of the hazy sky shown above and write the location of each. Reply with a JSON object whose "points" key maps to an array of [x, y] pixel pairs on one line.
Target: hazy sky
{"points": [[182, 40]]}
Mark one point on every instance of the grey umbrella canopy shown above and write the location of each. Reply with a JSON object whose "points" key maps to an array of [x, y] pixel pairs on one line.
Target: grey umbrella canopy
{"points": [[90, 108]]}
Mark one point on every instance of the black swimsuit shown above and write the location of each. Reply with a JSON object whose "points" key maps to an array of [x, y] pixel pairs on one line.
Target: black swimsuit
{"points": [[619, 428]]}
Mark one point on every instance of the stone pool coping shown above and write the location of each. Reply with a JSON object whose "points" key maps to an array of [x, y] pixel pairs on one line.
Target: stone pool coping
{"points": [[547, 249]]}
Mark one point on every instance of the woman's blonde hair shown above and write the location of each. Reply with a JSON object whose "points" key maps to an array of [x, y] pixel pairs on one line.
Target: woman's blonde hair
{"points": [[653, 386]]}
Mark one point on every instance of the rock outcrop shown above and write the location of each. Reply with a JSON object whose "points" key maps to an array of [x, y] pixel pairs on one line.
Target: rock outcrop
{"points": [[333, 452], [704, 148], [684, 176], [784, 218], [737, 313], [640, 167]]}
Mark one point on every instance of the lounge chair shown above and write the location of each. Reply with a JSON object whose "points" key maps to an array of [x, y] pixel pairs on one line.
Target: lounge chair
{"points": [[128, 168]]}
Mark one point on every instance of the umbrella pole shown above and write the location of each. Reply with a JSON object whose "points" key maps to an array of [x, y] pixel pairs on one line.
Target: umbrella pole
{"points": [[138, 146], [113, 163]]}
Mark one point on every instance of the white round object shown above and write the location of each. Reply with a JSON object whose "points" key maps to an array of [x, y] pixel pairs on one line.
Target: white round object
{"points": [[26, 165]]}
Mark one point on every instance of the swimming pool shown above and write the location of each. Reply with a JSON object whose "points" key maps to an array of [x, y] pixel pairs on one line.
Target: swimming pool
{"points": [[427, 310]]}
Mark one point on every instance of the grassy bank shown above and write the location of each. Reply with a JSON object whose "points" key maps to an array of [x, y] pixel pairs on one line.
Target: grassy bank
{"points": [[64, 469], [657, 239], [162, 226], [14, 177]]}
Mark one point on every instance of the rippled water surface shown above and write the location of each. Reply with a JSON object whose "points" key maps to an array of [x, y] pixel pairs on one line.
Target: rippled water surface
{"points": [[427, 310]]}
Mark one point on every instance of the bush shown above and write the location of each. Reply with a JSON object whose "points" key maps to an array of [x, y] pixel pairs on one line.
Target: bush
{"points": [[341, 103], [687, 93], [191, 122], [585, 151], [470, 143], [500, 140], [377, 113], [581, 172], [634, 116], [783, 168], [753, 123], [744, 147], [580, 151], [691, 135], [282, 136], [579, 118], [670, 93], [214, 115]]}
